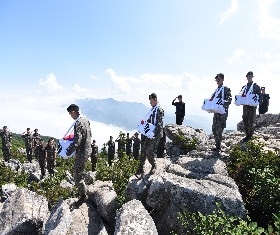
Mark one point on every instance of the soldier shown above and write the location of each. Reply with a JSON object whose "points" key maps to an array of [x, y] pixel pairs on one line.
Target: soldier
{"points": [[180, 110], [50, 155], [150, 144], [249, 112], [136, 146], [94, 155], [41, 156], [161, 146], [121, 144], [28, 143], [36, 140], [219, 120], [82, 145], [263, 108], [128, 145], [6, 143], [111, 150]]}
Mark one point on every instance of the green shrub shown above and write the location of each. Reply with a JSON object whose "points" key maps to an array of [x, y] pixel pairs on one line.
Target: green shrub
{"points": [[217, 223]]}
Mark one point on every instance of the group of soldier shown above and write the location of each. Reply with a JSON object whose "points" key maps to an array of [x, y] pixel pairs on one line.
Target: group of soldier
{"points": [[152, 146]]}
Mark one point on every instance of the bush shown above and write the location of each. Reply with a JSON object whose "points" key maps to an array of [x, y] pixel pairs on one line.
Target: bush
{"points": [[256, 173]]}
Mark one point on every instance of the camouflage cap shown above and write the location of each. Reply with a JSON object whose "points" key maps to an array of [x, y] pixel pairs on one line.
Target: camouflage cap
{"points": [[73, 107], [111, 137], [249, 73], [93, 141], [5, 127], [262, 88], [36, 129], [220, 75], [136, 133], [28, 128], [179, 96], [153, 96]]}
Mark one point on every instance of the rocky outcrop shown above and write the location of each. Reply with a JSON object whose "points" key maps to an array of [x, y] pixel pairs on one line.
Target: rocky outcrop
{"points": [[103, 195], [7, 190], [133, 218], [14, 165], [24, 212], [196, 182], [66, 219]]}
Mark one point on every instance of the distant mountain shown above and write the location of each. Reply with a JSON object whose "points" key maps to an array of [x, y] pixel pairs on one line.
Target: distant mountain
{"points": [[122, 114]]}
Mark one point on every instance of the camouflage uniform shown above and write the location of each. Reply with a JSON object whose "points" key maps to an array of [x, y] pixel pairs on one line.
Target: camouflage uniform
{"points": [[82, 145], [128, 145], [150, 145], [94, 155], [42, 158], [50, 150], [249, 112], [111, 151], [6, 144], [120, 145], [136, 148], [36, 140], [219, 120], [28, 145]]}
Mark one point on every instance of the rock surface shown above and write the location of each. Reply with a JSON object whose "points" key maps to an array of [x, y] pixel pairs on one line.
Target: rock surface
{"points": [[66, 219], [24, 212], [133, 218], [7, 190]]}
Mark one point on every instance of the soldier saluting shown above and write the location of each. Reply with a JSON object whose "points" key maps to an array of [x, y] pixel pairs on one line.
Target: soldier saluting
{"points": [[136, 146], [6, 143], [180, 110], [94, 155]]}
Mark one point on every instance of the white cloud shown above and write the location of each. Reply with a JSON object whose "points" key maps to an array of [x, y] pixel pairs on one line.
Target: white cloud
{"points": [[239, 57], [269, 27], [119, 84], [233, 7], [79, 89], [93, 77], [51, 83]]}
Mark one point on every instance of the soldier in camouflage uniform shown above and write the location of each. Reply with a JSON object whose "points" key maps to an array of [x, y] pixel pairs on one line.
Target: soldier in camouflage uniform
{"points": [[136, 146], [94, 155], [128, 145], [50, 156], [111, 150], [82, 145], [150, 145], [6, 143], [249, 112], [36, 140], [219, 120], [41, 156], [121, 145], [28, 143]]}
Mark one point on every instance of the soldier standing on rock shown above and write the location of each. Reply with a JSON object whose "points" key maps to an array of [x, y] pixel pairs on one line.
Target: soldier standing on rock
{"points": [[41, 156], [249, 112], [36, 140], [6, 143], [151, 143], [50, 156], [82, 145], [94, 155], [219, 120], [136, 146], [180, 110], [28, 143], [111, 150], [128, 145]]}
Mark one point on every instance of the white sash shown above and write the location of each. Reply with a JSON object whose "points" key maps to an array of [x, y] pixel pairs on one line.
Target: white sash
{"points": [[64, 144], [147, 128], [215, 105]]}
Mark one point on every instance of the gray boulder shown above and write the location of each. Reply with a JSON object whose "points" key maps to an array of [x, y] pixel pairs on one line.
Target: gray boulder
{"points": [[90, 177], [133, 218], [24, 212], [7, 190], [66, 219], [180, 134], [66, 184], [103, 195], [35, 176], [31, 167]]}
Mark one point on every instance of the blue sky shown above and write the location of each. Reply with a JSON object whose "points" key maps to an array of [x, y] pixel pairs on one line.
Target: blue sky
{"points": [[53, 52]]}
